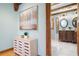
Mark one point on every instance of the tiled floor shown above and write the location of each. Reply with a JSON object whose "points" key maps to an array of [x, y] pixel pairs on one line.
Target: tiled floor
{"points": [[63, 49]]}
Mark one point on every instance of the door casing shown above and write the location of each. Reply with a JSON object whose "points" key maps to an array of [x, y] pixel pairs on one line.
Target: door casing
{"points": [[78, 29], [48, 32]]}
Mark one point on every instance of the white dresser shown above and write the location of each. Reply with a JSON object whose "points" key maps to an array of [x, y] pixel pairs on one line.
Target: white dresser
{"points": [[25, 46]]}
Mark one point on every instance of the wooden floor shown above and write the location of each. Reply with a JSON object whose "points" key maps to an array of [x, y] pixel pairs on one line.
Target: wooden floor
{"points": [[7, 53]]}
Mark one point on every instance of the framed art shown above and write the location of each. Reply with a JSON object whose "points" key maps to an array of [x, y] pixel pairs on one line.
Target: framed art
{"points": [[29, 19]]}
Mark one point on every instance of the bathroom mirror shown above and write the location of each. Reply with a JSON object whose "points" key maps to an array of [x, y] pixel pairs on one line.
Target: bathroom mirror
{"points": [[63, 23], [74, 22]]}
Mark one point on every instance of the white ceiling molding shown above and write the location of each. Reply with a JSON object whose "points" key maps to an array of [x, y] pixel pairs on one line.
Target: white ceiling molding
{"points": [[56, 6], [64, 9]]}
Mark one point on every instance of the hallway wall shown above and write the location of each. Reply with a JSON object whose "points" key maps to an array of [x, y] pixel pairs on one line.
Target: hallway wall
{"points": [[8, 26], [39, 34]]}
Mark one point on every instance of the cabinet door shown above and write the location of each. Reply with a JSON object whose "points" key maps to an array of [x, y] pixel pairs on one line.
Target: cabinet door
{"points": [[75, 37], [62, 35], [70, 36]]}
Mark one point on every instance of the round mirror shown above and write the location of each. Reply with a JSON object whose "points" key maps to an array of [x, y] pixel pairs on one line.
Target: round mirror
{"points": [[63, 23], [74, 22]]}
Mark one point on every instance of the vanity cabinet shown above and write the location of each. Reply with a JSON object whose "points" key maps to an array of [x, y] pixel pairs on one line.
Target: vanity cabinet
{"points": [[62, 35], [68, 36], [25, 46], [75, 37]]}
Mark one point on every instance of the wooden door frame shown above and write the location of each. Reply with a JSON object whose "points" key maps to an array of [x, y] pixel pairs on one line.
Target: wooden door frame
{"points": [[78, 29], [48, 30]]}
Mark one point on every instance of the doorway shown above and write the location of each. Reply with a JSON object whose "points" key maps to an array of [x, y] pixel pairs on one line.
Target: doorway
{"points": [[64, 40]]}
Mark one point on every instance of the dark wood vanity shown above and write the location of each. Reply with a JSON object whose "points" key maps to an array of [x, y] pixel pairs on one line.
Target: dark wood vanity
{"points": [[68, 36]]}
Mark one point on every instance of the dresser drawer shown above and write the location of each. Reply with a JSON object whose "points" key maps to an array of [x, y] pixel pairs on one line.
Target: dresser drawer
{"points": [[24, 46]]}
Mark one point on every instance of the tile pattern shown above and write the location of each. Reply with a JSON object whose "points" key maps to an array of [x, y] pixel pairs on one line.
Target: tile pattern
{"points": [[63, 48]]}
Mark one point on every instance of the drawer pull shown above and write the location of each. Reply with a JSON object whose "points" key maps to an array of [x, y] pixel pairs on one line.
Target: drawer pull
{"points": [[20, 44], [26, 50], [20, 47], [26, 53], [15, 40], [20, 41], [20, 52], [26, 46], [26, 43], [15, 49]]}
